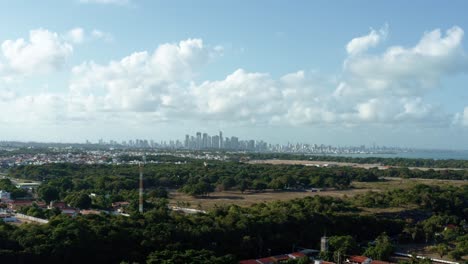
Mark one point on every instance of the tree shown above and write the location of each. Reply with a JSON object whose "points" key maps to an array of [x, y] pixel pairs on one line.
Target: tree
{"points": [[48, 193], [79, 200], [382, 249], [442, 249]]}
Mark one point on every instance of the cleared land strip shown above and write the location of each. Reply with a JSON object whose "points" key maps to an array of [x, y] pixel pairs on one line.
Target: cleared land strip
{"points": [[180, 199], [340, 164]]}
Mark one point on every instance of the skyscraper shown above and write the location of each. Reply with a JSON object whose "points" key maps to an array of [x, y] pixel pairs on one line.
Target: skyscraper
{"points": [[221, 140], [199, 140], [204, 141]]}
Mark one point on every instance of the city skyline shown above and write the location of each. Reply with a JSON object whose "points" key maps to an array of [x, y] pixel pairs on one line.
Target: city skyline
{"points": [[150, 69]]}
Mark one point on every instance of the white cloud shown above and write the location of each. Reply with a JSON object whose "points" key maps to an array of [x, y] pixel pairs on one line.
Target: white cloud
{"points": [[253, 97], [142, 81], [76, 35], [461, 118], [387, 88], [406, 71], [98, 34], [361, 44], [44, 52]]}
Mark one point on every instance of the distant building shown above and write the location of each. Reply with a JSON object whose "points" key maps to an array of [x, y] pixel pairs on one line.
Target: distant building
{"points": [[28, 185], [5, 196], [277, 259], [364, 260]]}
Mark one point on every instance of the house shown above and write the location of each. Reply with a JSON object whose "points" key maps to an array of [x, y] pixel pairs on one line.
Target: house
{"points": [[280, 258], [7, 217], [4, 195], [358, 260], [55, 204], [450, 227], [64, 208], [28, 185], [69, 211], [297, 255], [17, 204], [319, 261], [277, 259], [268, 260], [364, 260], [119, 206], [90, 212]]}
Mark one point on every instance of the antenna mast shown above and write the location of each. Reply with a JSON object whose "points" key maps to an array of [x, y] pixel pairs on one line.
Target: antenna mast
{"points": [[140, 206]]}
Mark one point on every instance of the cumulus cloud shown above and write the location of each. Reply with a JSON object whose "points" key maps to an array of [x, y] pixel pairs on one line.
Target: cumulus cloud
{"points": [[361, 44], [142, 81], [386, 88], [461, 118], [407, 71], [45, 51]]}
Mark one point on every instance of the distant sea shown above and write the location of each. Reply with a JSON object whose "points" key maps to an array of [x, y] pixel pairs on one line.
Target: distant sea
{"points": [[417, 154]]}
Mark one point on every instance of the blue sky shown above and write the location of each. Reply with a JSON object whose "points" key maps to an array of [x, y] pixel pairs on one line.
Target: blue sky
{"points": [[334, 72]]}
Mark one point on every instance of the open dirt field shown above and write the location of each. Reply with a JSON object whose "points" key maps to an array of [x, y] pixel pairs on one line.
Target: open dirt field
{"points": [[249, 198], [338, 164]]}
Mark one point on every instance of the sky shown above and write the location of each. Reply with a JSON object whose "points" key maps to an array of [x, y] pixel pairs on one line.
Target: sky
{"points": [[326, 72]]}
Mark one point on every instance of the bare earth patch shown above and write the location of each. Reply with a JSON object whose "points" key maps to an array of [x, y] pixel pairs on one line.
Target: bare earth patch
{"points": [[248, 198]]}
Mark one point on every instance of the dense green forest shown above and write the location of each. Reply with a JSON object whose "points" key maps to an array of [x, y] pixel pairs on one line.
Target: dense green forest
{"points": [[199, 178], [229, 233]]}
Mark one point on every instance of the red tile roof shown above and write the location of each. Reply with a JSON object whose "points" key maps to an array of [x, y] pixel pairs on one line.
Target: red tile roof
{"points": [[268, 260], [280, 257], [248, 261], [358, 259], [297, 255], [379, 262]]}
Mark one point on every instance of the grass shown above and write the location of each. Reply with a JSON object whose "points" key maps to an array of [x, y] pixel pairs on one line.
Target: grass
{"points": [[249, 198]]}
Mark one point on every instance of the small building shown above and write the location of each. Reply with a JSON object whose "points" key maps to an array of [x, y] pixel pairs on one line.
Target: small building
{"points": [[70, 211], [297, 255], [4, 195], [268, 260], [17, 204], [28, 185], [119, 206], [276, 259], [57, 204], [364, 260], [7, 217], [358, 260], [90, 212]]}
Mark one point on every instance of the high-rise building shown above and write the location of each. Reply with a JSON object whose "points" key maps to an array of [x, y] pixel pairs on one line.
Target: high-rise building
{"points": [[187, 141], [199, 140], [204, 141], [215, 141], [221, 143], [234, 143]]}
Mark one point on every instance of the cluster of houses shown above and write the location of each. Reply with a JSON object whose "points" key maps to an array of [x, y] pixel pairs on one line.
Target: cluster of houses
{"points": [[10, 207], [310, 256]]}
